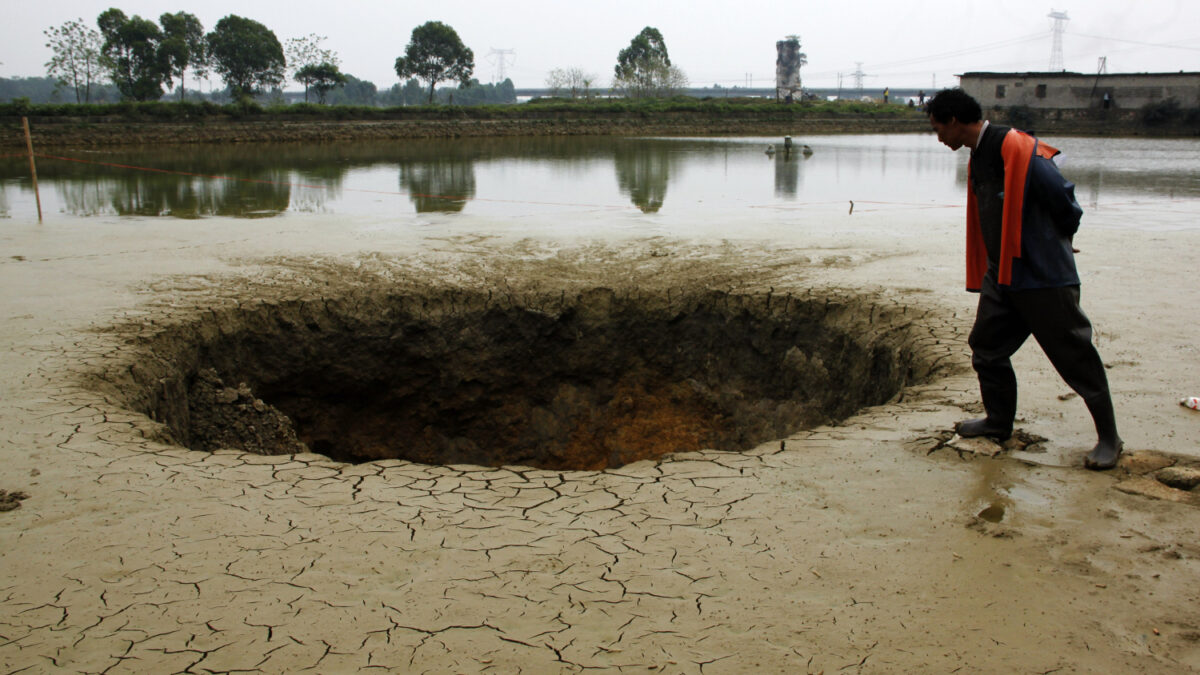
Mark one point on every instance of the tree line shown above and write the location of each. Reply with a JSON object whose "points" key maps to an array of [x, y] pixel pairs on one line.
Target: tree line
{"points": [[354, 92], [140, 60]]}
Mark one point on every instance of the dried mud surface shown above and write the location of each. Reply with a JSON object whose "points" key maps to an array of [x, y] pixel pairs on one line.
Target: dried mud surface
{"points": [[876, 544]]}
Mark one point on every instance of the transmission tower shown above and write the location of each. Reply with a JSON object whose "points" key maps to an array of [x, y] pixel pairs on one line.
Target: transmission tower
{"points": [[1056, 55], [858, 77], [500, 58]]}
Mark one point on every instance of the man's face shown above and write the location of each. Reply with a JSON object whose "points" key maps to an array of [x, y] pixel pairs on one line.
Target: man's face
{"points": [[949, 133]]}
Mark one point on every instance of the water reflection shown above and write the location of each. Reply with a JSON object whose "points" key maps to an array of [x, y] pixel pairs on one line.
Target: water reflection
{"points": [[643, 170], [514, 176], [787, 173], [444, 183], [150, 194]]}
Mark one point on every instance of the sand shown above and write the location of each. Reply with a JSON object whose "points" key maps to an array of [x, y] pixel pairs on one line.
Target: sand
{"points": [[867, 546]]}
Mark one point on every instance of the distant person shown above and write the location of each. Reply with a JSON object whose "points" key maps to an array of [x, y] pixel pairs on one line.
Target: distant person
{"points": [[1021, 218]]}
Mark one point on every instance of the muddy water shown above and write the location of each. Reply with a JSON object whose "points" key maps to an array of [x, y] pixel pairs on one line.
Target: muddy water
{"points": [[679, 181]]}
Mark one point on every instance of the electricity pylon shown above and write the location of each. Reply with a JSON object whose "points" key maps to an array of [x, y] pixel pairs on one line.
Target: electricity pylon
{"points": [[500, 58], [1056, 55]]}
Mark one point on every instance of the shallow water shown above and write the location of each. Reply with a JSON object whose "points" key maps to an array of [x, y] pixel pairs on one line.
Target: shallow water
{"points": [[679, 180]]}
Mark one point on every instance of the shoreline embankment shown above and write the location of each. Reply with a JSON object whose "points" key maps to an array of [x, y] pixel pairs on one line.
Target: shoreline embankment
{"points": [[77, 132], [112, 130]]}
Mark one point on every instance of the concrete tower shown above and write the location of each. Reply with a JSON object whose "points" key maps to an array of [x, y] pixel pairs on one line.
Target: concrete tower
{"points": [[787, 68]]}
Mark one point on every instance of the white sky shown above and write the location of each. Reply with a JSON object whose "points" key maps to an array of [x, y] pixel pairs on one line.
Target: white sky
{"points": [[900, 43]]}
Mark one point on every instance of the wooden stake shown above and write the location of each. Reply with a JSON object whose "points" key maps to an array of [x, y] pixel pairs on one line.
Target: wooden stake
{"points": [[32, 167]]}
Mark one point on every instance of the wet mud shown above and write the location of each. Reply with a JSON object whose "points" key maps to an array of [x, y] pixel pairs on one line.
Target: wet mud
{"points": [[878, 543]]}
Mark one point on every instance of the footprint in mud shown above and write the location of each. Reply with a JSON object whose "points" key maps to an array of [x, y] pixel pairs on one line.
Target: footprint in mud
{"points": [[994, 513], [11, 500]]}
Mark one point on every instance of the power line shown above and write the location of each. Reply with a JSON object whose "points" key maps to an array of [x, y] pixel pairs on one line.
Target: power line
{"points": [[945, 55], [886, 68], [1136, 42]]}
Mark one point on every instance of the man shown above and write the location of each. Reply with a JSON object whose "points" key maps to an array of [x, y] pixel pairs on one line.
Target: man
{"points": [[1021, 218]]}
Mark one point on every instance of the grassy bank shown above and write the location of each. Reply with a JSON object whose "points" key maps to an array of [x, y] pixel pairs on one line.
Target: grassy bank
{"points": [[181, 111], [204, 122], [163, 122]]}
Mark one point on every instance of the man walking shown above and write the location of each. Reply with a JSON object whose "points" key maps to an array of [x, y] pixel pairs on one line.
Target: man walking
{"points": [[1021, 218]]}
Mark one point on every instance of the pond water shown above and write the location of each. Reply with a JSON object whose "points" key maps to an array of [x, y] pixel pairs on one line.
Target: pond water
{"points": [[663, 178]]}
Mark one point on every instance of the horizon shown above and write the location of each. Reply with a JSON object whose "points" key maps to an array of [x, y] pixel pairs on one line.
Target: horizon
{"points": [[712, 42]]}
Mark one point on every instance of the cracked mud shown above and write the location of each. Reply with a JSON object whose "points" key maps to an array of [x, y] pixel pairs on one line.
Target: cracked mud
{"points": [[830, 539], [587, 380]]}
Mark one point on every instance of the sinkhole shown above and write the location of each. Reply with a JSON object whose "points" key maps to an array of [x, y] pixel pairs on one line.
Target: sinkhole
{"points": [[566, 380]]}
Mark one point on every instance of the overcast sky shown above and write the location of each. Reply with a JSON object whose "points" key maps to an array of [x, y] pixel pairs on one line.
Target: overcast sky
{"points": [[905, 43]]}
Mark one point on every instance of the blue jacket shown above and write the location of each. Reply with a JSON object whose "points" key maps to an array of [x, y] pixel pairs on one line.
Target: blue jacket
{"points": [[1040, 218]]}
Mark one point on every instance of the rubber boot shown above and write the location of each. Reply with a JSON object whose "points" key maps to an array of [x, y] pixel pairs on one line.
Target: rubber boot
{"points": [[1109, 446], [1001, 408]]}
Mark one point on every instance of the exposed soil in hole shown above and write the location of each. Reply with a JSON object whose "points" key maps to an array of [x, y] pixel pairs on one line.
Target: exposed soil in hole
{"points": [[566, 380]]}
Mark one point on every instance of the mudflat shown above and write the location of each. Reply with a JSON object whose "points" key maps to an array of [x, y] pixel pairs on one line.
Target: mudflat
{"points": [[876, 543]]}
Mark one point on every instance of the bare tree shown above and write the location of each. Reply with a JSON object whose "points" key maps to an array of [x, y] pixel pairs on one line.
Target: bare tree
{"points": [[651, 80], [305, 55], [76, 60], [570, 82]]}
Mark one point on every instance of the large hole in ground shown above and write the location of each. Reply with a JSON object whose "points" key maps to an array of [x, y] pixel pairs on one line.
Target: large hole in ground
{"points": [[567, 380]]}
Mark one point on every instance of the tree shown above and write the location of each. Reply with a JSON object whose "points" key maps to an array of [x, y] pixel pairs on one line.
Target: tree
{"points": [[505, 92], [76, 59], [306, 52], [644, 68], [132, 53], [475, 93], [573, 82], [434, 54], [355, 92], [183, 46], [321, 77], [651, 80], [413, 93], [247, 55]]}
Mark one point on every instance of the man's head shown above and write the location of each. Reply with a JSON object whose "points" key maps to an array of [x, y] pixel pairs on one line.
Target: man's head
{"points": [[955, 116]]}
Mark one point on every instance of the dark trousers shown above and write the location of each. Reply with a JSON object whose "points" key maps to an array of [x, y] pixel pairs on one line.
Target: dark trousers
{"points": [[1005, 319]]}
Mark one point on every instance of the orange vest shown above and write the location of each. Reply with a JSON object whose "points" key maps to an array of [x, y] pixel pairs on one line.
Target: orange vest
{"points": [[1017, 151]]}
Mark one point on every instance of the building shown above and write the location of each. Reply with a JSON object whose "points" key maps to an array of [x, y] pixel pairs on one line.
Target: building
{"points": [[787, 69], [1079, 91]]}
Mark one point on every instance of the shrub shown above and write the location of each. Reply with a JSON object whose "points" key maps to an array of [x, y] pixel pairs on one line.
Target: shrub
{"points": [[1162, 112]]}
